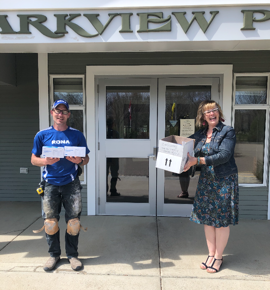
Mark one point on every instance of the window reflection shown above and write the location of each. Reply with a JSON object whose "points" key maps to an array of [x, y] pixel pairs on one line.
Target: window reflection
{"points": [[176, 184], [129, 109], [127, 180], [251, 90], [76, 120], [182, 102], [69, 89], [249, 149]]}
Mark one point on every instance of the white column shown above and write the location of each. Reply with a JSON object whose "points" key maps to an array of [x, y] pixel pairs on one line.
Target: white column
{"points": [[91, 142], [43, 92]]}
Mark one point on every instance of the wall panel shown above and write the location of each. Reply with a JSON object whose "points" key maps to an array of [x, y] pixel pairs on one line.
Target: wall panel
{"points": [[19, 122]]}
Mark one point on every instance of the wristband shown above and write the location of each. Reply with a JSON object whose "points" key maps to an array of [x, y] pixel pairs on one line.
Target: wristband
{"points": [[198, 161], [81, 162]]}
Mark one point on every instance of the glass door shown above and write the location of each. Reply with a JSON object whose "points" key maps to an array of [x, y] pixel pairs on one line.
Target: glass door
{"points": [[127, 140], [178, 103], [133, 115]]}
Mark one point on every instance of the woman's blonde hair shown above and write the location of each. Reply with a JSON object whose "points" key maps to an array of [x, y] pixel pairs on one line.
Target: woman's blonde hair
{"points": [[206, 106]]}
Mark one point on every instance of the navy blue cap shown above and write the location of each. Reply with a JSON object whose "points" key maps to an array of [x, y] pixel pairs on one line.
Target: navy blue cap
{"points": [[59, 102]]}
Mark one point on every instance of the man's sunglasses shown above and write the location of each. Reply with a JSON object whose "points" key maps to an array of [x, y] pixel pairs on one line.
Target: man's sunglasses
{"points": [[64, 112]]}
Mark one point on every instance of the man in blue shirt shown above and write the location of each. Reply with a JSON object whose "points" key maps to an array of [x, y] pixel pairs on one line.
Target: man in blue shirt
{"points": [[62, 185]]}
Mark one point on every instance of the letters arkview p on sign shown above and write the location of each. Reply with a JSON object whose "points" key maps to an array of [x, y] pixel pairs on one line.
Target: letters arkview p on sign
{"points": [[38, 21]]}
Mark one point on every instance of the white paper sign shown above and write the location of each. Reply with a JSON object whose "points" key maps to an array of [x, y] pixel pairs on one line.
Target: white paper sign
{"points": [[75, 151], [187, 127], [54, 152]]}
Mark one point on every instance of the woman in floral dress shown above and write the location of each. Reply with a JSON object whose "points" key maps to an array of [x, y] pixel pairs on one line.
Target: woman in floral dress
{"points": [[216, 200]]}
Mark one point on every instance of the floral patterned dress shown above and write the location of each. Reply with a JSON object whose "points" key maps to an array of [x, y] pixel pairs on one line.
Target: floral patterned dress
{"points": [[216, 200]]}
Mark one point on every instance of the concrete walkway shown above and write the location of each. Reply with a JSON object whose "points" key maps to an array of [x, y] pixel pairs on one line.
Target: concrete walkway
{"points": [[130, 253]]}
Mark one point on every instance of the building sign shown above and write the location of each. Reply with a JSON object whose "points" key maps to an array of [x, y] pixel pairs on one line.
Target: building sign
{"points": [[168, 25], [66, 20]]}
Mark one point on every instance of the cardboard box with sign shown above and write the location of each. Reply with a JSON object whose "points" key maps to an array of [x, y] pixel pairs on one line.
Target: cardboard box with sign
{"points": [[172, 153]]}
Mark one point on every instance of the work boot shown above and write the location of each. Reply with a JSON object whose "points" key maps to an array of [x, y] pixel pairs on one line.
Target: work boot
{"points": [[51, 263], [75, 264]]}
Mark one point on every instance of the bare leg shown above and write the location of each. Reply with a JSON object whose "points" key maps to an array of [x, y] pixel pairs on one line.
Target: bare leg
{"points": [[210, 235], [222, 237]]}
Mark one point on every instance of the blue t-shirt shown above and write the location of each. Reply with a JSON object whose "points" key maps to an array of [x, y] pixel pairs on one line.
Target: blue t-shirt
{"points": [[63, 171]]}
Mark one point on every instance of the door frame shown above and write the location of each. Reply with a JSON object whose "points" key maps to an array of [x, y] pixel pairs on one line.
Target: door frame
{"points": [[176, 209], [225, 72], [126, 148]]}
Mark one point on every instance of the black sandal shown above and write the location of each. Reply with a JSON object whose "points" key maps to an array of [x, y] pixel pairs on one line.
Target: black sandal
{"points": [[211, 267], [205, 263], [183, 194]]}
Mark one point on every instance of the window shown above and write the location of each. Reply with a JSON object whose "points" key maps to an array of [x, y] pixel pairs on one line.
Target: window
{"points": [[250, 118], [128, 112], [251, 90], [71, 89]]}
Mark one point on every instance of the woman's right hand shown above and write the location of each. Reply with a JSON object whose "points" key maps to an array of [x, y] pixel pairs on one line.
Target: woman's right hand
{"points": [[191, 162]]}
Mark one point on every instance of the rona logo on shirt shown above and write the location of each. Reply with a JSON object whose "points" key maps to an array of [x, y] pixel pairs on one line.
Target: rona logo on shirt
{"points": [[60, 142]]}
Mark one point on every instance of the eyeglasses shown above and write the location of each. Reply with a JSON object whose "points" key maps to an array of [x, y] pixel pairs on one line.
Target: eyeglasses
{"points": [[210, 111], [64, 112]]}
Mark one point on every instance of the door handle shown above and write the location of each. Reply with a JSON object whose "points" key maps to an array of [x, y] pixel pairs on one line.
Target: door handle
{"points": [[154, 155]]}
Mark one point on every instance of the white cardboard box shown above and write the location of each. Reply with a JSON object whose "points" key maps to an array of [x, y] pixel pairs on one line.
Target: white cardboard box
{"points": [[53, 151], [75, 151], [172, 153]]}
